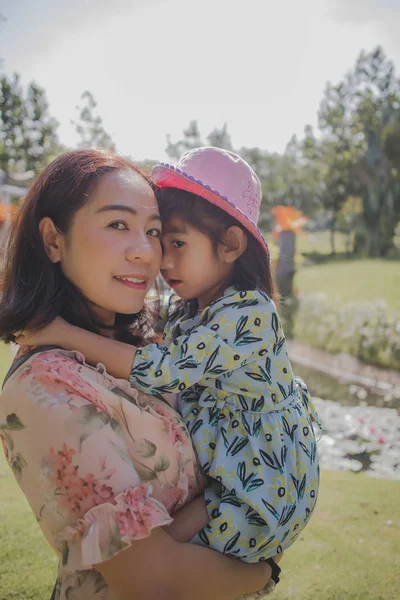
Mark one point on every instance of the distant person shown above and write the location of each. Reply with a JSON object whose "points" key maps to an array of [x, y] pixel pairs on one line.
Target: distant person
{"points": [[104, 467], [224, 352]]}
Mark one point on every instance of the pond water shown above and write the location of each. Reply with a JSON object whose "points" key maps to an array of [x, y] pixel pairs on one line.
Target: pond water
{"points": [[382, 395], [361, 426]]}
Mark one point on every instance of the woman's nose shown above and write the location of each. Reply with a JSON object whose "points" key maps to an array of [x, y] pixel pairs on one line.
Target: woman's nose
{"points": [[144, 248]]}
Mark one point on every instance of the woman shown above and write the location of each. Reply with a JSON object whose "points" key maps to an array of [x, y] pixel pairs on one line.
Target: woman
{"points": [[103, 467]]}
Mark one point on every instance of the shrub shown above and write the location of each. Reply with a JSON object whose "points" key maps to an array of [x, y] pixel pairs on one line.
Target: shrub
{"points": [[369, 331]]}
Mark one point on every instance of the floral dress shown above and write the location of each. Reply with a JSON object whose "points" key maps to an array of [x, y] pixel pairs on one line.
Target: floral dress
{"points": [[100, 464], [249, 418]]}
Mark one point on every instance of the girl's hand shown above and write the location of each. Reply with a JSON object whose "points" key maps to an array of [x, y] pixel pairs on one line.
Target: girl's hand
{"points": [[54, 333], [278, 557]]}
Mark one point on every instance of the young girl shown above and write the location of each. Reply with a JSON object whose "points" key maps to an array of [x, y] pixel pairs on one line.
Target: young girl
{"points": [[224, 353]]}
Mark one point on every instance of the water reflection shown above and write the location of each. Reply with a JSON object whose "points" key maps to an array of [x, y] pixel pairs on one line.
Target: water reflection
{"points": [[361, 426], [382, 395]]}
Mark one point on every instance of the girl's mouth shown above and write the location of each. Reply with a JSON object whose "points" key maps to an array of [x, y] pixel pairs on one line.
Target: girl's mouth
{"points": [[174, 282]]}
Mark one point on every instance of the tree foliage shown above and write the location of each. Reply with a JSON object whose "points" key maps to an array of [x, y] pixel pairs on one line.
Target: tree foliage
{"points": [[359, 119], [354, 153], [28, 133], [89, 125]]}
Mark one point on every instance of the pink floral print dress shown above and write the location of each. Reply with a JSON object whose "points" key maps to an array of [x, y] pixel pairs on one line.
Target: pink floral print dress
{"points": [[100, 463]]}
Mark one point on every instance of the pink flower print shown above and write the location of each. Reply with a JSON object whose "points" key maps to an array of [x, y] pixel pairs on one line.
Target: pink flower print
{"points": [[62, 459], [178, 436], [92, 493], [7, 450], [138, 513], [173, 498], [250, 198], [60, 375], [76, 493], [107, 473], [163, 412]]}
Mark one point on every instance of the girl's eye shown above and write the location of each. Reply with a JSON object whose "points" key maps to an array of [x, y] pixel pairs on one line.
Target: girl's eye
{"points": [[119, 225], [178, 244], [154, 232]]}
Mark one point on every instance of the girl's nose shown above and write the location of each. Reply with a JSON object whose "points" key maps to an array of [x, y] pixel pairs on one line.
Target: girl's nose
{"points": [[166, 261]]}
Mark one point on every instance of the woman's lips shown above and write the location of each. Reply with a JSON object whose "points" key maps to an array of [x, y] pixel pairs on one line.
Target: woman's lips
{"points": [[134, 283]]}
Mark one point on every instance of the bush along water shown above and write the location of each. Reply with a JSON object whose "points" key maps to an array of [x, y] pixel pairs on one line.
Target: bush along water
{"points": [[369, 331]]}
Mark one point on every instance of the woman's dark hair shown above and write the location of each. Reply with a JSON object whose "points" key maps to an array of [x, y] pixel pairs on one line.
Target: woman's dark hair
{"points": [[33, 289], [252, 270]]}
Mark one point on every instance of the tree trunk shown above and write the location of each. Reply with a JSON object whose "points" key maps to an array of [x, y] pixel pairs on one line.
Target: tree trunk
{"points": [[373, 243], [285, 269], [333, 247]]}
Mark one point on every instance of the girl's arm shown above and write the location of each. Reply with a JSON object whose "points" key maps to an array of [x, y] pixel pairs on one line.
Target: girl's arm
{"points": [[189, 520], [249, 328], [116, 356]]}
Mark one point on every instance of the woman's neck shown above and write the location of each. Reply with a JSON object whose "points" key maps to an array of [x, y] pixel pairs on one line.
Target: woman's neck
{"points": [[104, 316]]}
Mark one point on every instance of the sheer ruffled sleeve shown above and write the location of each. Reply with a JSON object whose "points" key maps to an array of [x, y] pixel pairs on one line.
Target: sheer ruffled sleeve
{"points": [[99, 468]]}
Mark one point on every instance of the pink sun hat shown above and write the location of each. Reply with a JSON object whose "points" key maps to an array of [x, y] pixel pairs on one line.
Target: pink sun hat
{"points": [[222, 178]]}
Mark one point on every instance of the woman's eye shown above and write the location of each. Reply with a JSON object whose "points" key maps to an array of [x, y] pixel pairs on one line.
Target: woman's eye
{"points": [[154, 232], [178, 244], [120, 225]]}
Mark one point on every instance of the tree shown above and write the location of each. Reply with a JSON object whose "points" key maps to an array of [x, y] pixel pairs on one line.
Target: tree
{"points": [[191, 139], [2, 19], [359, 120], [42, 144], [89, 125], [289, 179], [28, 133], [331, 165], [220, 138]]}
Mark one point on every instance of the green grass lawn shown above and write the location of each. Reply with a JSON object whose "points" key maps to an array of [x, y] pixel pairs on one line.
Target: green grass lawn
{"points": [[320, 242], [28, 566], [342, 280], [353, 280], [350, 550], [5, 360]]}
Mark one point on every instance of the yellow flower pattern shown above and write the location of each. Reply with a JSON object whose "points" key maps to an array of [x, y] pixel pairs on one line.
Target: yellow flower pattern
{"points": [[250, 419]]}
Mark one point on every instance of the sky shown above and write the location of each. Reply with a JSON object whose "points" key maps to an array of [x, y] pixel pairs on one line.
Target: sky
{"points": [[261, 66]]}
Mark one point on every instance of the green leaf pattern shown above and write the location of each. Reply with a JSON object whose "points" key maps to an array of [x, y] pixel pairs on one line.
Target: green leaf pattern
{"points": [[247, 426]]}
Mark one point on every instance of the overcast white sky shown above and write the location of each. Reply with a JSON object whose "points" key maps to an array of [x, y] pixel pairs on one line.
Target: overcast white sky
{"points": [[153, 65]]}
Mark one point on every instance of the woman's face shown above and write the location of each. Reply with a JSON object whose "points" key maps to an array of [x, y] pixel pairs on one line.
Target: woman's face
{"points": [[112, 252]]}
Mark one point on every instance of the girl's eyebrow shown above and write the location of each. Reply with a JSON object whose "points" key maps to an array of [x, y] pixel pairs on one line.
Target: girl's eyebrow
{"points": [[125, 208], [175, 229]]}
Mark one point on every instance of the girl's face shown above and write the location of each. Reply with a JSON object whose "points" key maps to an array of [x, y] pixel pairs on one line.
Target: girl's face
{"points": [[190, 264], [112, 251]]}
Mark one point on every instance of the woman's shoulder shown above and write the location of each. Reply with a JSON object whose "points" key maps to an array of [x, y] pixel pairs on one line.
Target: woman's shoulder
{"points": [[51, 370], [30, 361]]}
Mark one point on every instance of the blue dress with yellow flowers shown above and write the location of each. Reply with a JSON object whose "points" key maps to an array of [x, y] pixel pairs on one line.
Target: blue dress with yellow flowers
{"points": [[249, 417]]}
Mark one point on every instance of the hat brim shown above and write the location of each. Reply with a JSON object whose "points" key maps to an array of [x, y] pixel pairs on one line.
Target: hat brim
{"points": [[167, 176]]}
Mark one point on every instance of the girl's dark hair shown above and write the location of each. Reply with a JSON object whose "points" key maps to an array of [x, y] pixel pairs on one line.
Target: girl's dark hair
{"points": [[33, 289], [252, 270]]}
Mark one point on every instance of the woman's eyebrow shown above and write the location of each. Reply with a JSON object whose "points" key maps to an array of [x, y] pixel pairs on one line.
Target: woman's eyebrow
{"points": [[125, 208]]}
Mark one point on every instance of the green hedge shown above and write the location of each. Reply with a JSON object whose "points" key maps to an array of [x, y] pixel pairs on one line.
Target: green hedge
{"points": [[369, 331]]}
